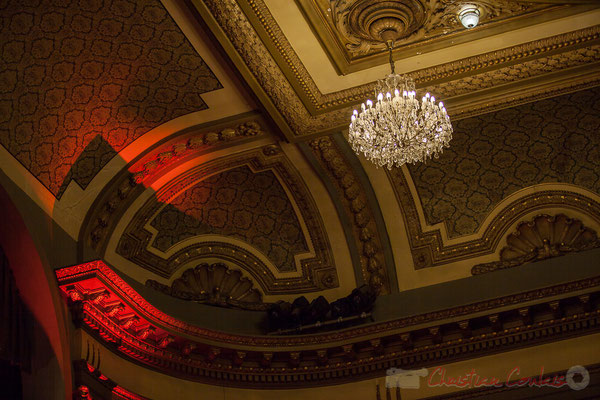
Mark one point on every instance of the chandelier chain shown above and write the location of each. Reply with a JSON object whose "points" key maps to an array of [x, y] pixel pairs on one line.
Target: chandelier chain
{"points": [[390, 48]]}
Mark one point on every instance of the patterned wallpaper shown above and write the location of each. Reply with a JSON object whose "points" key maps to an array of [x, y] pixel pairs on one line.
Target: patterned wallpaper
{"points": [[252, 207], [90, 74], [494, 155]]}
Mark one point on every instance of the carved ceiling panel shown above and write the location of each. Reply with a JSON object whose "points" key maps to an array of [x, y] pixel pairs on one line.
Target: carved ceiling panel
{"points": [[494, 155], [353, 196], [151, 166], [543, 237], [252, 210], [559, 63], [237, 203], [79, 81], [360, 26], [214, 284]]}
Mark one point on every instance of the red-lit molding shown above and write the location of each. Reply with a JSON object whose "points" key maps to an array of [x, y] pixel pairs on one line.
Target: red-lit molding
{"points": [[112, 311], [91, 384]]}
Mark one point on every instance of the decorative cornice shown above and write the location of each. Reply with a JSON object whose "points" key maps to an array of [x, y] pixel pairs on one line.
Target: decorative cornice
{"points": [[350, 30], [164, 157], [307, 111], [523, 66], [543, 237], [112, 311], [355, 203], [512, 94]]}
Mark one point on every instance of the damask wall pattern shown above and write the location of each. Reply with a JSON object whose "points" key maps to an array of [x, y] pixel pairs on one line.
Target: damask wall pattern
{"points": [[494, 155], [91, 71], [252, 207]]}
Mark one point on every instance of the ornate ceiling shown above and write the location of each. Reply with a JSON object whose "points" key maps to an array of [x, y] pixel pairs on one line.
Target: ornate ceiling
{"points": [[110, 106], [71, 100], [279, 51], [166, 137], [351, 31]]}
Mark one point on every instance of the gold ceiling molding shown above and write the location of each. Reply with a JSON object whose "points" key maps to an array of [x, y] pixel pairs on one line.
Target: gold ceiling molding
{"points": [[519, 93], [152, 164], [323, 102], [200, 202], [174, 346], [363, 24], [351, 30], [356, 205], [543, 237], [260, 64], [508, 56], [429, 248], [130, 182], [264, 53]]}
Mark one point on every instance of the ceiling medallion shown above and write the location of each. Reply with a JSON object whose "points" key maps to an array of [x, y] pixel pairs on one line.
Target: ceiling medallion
{"points": [[366, 21], [398, 128]]}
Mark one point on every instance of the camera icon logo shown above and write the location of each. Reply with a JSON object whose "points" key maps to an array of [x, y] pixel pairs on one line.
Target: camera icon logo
{"points": [[404, 378]]}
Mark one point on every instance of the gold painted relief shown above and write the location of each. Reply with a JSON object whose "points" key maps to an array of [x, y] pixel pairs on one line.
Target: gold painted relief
{"points": [[354, 201], [555, 65], [543, 237], [491, 158], [251, 210], [352, 31]]}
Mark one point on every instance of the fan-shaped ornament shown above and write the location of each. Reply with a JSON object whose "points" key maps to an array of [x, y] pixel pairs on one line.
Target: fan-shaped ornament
{"points": [[544, 237], [214, 284]]}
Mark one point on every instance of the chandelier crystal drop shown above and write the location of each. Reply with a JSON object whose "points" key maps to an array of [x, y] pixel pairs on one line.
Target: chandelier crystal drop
{"points": [[398, 128]]}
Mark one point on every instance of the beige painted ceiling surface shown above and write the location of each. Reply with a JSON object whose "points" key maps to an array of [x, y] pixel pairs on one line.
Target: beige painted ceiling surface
{"points": [[255, 171], [315, 57], [285, 52]]}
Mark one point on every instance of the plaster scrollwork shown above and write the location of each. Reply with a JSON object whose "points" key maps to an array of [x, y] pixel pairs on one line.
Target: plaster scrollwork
{"points": [[361, 25], [355, 202], [214, 284], [543, 237]]}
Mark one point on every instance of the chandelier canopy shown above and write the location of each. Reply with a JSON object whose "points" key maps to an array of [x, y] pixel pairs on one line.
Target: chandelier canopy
{"points": [[398, 128]]}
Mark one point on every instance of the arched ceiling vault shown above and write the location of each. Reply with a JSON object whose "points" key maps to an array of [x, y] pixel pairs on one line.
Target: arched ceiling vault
{"points": [[152, 133]]}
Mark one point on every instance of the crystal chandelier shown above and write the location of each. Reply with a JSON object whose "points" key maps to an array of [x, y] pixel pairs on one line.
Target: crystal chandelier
{"points": [[398, 128]]}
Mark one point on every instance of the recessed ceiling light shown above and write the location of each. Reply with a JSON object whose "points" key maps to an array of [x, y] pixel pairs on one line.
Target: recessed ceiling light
{"points": [[469, 16]]}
